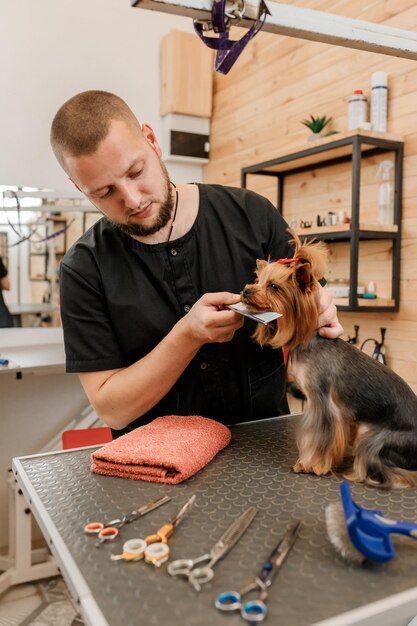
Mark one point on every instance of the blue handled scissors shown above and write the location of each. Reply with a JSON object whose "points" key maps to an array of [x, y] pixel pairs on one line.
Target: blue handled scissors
{"points": [[256, 610]]}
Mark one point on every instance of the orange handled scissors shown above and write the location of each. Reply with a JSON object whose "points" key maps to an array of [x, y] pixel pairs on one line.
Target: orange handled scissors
{"points": [[109, 531], [154, 548]]}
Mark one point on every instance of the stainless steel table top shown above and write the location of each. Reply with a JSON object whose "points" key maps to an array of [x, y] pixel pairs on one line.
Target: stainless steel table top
{"points": [[314, 587]]}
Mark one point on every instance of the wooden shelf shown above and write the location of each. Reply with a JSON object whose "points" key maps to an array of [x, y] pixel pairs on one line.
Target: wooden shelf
{"points": [[312, 158], [364, 302], [340, 228], [325, 150]]}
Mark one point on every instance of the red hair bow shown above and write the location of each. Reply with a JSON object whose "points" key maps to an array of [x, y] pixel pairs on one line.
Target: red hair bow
{"points": [[283, 261]]}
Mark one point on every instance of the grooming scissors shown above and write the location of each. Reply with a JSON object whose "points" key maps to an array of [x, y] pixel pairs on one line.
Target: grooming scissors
{"points": [[154, 547], [110, 530], [197, 576], [256, 610]]}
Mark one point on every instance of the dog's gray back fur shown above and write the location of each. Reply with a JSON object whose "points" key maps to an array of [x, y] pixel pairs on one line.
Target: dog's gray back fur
{"points": [[373, 393]]}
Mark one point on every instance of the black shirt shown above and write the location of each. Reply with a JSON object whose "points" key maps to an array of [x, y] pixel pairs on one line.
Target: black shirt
{"points": [[6, 320], [120, 297]]}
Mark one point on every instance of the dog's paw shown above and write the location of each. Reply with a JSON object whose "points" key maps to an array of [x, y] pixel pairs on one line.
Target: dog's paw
{"points": [[317, 469], [299, 468], [352, 476]]}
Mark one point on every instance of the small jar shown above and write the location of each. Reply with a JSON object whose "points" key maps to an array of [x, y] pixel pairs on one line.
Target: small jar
{"points": [[357, 110]]}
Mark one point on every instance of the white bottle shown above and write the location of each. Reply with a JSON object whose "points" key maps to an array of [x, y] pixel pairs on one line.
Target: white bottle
{"points": [[385, 206], [371, 287], [379, 101], [357, 109]]}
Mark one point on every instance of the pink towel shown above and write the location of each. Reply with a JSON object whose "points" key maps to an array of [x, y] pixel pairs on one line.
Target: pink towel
{"points": [[168, 450]]}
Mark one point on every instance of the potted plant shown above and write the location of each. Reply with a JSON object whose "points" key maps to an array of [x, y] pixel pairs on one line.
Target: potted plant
{"points": [[317, 125]]}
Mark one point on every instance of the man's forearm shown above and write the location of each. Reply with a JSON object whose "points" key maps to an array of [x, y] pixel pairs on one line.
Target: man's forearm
{"points": [[122, 395], [130, 392]]}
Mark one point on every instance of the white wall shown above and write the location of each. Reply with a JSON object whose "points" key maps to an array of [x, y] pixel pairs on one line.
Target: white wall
{"points": [[51, 50]]}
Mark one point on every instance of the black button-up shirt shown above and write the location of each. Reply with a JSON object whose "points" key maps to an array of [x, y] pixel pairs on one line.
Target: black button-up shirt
{"points": [[120, 297]]}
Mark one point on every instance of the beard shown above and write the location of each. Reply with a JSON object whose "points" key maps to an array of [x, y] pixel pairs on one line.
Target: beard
{"points": [[163, 217]]}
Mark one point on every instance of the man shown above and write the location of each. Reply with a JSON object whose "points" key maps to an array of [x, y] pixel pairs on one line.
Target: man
{"points": [[144, 292], [6, 320]]}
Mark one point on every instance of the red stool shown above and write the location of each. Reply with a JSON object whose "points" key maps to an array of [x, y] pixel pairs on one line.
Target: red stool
{"points": [[79, 438]]}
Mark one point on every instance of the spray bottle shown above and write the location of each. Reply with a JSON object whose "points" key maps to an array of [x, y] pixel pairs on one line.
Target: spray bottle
{"points": [[385, 207]]}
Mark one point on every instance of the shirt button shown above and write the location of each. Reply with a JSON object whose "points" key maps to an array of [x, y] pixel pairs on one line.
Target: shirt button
{"points": [[174, 252], [203, 366], [187, 308]]}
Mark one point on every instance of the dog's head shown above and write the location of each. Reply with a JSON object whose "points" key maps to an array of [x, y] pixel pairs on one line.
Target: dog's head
{"points": [[290, 287]]}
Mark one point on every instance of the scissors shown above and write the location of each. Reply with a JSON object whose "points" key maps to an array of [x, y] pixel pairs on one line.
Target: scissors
{"points": [[155, 547], [109, 531], [200, 575], [256, 610]]}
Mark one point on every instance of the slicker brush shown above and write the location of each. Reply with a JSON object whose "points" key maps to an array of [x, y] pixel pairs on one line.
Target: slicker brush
{"points": [[358, 533], [338, 534]]}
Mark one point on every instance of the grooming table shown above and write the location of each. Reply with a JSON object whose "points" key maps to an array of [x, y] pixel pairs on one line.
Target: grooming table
{"points": [[314, 587]]}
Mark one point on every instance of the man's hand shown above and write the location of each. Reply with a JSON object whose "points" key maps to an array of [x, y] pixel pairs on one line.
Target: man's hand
{"points": [[328, 324], [209, 321]]}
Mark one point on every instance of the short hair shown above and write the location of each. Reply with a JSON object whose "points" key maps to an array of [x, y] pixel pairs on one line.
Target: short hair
{"points": [[82, 123]]}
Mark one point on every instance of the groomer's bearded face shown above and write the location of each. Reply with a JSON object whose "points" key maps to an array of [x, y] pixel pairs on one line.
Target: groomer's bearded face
{"points": [[126, 179]]}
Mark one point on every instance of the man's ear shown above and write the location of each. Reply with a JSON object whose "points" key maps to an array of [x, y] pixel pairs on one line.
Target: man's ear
{"points": [[303, 276], [150, 137]]}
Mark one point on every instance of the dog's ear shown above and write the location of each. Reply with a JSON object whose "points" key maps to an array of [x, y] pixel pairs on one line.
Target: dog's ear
{"points": [[260, 264], [303, 275], [316, 254]]}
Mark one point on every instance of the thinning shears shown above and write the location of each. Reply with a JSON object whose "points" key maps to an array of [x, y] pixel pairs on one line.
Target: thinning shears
{"points": [[200, 575], [256, 610], [109, 531], [154, 548]]}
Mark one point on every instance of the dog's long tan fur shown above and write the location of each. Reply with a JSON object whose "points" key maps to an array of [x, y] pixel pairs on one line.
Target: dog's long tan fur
{"points": [[358, 411]]}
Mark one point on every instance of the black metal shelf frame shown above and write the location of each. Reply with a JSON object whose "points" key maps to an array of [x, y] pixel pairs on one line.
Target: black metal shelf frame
{"points": [[354, 235]]}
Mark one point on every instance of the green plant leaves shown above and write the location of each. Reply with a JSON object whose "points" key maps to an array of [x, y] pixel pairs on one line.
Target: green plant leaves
{"points": [[316, 124]]}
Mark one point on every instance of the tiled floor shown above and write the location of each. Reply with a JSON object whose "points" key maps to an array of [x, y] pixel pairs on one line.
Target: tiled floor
{"points": [[42, 603], [47, 603]]}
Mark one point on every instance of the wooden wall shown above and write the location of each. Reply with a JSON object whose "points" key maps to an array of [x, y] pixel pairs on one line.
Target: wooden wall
{"points": [[257, 110]]}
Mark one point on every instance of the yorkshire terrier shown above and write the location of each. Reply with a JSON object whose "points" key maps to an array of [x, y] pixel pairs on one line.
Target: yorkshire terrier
{"points": [[359, 415]]}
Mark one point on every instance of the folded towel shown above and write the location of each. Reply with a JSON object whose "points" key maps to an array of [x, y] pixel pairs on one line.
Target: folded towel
{"points": [[168, 450]]}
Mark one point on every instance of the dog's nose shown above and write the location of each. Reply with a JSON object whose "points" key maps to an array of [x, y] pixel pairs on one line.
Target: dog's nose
{"points": [[246, 292]]}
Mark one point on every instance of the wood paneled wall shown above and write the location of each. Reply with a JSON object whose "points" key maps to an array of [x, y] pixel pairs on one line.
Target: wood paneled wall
{"points": [[257, 110]]}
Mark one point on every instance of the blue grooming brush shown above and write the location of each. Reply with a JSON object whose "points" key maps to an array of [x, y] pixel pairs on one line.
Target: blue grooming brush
{"points": [[369, 530]]}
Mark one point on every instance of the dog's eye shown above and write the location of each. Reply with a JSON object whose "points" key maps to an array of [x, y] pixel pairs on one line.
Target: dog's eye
{"points": [[273, 286]]}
